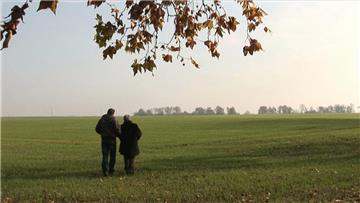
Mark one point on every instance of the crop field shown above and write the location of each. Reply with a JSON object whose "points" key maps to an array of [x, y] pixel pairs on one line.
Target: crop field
{"points": [[276, 158]]}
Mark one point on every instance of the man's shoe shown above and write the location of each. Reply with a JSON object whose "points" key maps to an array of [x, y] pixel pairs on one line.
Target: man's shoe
{"points": [[105, 173], [111, 172]]}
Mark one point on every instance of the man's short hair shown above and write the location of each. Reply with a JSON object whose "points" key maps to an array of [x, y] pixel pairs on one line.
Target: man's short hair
{"points": [[111, 111], [126, 117]]}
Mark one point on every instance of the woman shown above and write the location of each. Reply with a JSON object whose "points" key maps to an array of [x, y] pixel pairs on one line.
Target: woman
{"points": [[130, 134]]}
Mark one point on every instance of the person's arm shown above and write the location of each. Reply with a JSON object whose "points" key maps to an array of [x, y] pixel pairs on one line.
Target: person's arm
{"points": [[118, 127], [98, 127], [115, 128], [121, 133], [138, 132]]}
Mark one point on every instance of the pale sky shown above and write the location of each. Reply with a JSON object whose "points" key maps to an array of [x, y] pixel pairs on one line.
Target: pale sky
{"points": [[311, 58]]}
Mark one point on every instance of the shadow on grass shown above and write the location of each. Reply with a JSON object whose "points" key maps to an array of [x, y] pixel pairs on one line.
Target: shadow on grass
{"points": [[210, 163], [42, 173], [267, 157], [215, 163], [293, 154]]}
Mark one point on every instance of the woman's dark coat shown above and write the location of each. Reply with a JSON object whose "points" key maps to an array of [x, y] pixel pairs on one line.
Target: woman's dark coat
{"points": [[130, 134]]}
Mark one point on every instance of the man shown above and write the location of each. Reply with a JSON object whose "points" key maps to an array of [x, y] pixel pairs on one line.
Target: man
{"points": [[108, 129], [130, 134]]}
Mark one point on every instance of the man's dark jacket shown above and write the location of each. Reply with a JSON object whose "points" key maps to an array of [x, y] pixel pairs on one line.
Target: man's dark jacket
{"points": [[130, 134], [107, 128]]}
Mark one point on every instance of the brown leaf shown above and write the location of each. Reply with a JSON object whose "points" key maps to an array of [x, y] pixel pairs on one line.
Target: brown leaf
{"points": [[121, 30], [251, 27], [190, 42], [215, 53], [208, 43], [254, 46], [149, 64], [18, 12], [266, 29], [136, 67], [118, 44], [135, 12], [194, 63], [129, 3], [8, 37], [232, 23], [219, 31], [172, 48], [2, 34], [251, 50], [110, 51], [258, 46], [167, 58], [95, 3], [245, 50]]}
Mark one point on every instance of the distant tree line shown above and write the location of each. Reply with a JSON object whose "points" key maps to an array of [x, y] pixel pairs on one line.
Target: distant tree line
{"points": [[169, 110], [284, 109], [176, 110], [218, 110]]}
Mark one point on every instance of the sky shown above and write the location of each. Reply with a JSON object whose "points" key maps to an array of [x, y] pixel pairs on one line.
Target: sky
{"points": [[53, 66]]}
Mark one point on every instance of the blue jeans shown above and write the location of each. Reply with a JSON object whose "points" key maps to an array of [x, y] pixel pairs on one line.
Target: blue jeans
{"points": [[108, 150]]}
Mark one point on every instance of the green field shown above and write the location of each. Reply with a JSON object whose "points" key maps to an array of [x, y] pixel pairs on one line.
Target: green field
{"points": [[292, 158]]}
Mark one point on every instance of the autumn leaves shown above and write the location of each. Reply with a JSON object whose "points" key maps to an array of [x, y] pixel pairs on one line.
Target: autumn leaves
{"points": [[139, 23], [48, 4], [9, 27], [135, 27]]}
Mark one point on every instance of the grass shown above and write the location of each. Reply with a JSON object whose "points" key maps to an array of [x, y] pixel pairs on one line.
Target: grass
{"points": [[292, 158]]}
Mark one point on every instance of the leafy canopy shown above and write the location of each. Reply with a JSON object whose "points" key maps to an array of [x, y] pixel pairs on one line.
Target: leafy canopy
{"points": [[136, 25]]}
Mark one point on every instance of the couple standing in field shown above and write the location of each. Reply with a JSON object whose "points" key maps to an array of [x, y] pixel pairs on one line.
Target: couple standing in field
{"points": [[128, 133]]}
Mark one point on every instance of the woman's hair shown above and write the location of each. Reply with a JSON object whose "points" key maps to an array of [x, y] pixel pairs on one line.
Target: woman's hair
{"points": [[127, 117]]}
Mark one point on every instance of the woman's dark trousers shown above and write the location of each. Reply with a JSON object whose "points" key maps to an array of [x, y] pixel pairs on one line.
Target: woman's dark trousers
{"points": [[129, 164]]}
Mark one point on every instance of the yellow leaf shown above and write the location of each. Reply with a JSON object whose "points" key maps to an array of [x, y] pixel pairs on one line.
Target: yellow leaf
{"points": [[48, 4]]}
